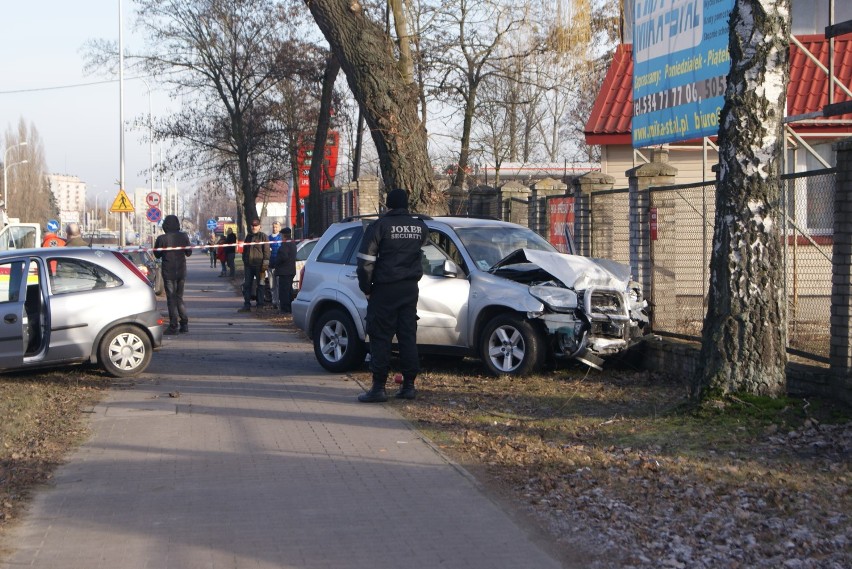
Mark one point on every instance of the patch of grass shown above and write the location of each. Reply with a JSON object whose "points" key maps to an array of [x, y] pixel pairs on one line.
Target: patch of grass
{"points": [[42, 419]]}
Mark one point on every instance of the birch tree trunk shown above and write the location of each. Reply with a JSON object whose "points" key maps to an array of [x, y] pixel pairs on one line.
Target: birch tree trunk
{"points": [[745, 329]]}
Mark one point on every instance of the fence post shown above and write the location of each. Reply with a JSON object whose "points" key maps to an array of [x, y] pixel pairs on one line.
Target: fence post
{"points": [[368, 195], [840, 350], [584, 188], [514, 198], [539, 220], [482, 200], [652, 245], [456, 200]]}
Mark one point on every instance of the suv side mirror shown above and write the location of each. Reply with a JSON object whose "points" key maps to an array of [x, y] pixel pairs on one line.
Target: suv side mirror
{"points": [[450, 269]]}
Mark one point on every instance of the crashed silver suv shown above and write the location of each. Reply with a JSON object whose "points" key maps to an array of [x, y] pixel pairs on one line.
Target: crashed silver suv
{"points": [[491, 289]]}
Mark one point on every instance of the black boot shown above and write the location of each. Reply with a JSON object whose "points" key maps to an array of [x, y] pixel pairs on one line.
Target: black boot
{"points": [[406, 391], [377, 393]]}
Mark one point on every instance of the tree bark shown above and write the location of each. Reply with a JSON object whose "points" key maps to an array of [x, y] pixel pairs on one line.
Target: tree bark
{"points": [[318, 165], [745, 329], [366, 55]]}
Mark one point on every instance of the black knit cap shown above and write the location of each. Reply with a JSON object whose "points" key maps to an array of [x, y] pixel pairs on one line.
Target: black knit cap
{"points": [[397, 199]]}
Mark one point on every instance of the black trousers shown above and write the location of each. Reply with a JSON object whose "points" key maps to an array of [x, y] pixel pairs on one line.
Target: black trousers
{"points": [[285, 291], [174, 300], [392, 310]]}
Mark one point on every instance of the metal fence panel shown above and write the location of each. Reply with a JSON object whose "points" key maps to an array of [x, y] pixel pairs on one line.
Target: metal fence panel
{"points": [[809, 199]]}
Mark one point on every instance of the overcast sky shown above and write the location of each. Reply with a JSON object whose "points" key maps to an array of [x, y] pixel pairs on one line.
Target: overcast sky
{"points": [[77, 116]]}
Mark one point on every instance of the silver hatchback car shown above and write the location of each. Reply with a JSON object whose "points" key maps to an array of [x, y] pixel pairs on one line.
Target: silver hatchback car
{"points": [[73, 305], [490, 289]]}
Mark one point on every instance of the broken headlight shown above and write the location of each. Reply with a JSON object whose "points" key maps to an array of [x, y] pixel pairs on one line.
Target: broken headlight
{"points": [[555, 298]]}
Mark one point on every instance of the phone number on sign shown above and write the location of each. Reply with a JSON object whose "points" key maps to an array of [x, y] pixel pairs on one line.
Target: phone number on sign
{"points": [[681, 95]]}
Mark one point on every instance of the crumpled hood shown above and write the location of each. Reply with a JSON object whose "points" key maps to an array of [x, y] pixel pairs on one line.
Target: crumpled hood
{"points": [[573, 271]]}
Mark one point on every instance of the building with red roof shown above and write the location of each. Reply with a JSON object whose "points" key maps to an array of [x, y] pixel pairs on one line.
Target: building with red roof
{"points": [[809, 140]]}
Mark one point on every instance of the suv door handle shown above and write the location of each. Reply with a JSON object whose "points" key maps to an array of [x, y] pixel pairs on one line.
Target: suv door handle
{"points": [[351, 276], [10, 318]]}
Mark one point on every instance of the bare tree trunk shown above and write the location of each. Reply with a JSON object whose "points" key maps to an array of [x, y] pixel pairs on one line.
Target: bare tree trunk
{"points": [[318, 164], [745, 330], [359, 143], [464, 152], [365, 53]]}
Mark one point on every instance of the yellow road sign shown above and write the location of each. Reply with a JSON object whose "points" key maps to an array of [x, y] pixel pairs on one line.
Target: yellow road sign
{"points": [[122, 203]]}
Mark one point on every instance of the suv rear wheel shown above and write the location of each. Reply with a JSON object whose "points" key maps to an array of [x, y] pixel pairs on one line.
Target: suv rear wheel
{"points": [[337, 346], [511, 346]]}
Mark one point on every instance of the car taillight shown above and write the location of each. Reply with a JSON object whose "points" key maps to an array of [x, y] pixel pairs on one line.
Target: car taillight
{"points": [[301, 278], [133, 268]]}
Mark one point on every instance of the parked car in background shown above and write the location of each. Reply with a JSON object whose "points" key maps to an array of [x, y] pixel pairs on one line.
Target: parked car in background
{"points": [[303, 250], [149, 266], [491, 289], [70, 305]]}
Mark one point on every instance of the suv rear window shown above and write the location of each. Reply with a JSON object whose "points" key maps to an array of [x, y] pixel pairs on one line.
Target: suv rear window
{"points": [[335, 250]]}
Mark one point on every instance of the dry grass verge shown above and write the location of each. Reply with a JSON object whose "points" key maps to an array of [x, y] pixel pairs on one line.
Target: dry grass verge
{"points": [[43, 417]]}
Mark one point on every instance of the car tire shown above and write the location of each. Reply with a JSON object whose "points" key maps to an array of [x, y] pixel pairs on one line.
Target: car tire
{"points": [[125, 351], [511, 345], [337, 346]]}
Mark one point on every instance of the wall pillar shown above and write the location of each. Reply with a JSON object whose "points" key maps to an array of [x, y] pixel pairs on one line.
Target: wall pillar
{"points": [[539, 216], [840, 349], [584, 187], [651, 249]]}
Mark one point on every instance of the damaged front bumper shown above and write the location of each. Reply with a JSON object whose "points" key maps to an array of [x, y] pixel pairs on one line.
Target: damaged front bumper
{"points": [[606, 321]]}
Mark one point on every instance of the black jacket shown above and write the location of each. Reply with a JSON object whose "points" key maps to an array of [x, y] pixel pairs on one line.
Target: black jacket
{"points": [[256, 250], [174, 262], [285, 260], [390, 250]]}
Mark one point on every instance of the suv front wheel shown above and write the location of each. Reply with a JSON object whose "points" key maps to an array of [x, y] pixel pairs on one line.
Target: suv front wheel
{"points": [[337, 346], [511, 346]]}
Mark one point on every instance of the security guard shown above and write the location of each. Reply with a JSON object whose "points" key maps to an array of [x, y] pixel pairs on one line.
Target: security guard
{"points": [[389, 266]]}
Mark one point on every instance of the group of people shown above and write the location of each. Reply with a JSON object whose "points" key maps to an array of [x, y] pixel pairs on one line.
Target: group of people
{"points": [[222, 251], [389, 268], [73, 237], [268, 256]]}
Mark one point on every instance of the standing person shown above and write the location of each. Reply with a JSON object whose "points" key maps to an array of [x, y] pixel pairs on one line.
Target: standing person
{"points": [[212, 250], [51, 239], [230, 249], [221, 255], [285, 271], [174, 271], [255, 263], [389, 267], [274, 245], [73, 236]]}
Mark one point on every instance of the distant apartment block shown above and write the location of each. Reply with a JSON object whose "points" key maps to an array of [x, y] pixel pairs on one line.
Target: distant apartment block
{"points": [[70, 195]]}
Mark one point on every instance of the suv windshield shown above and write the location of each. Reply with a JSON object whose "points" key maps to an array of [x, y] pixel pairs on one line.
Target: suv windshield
{"points": [[487, 245]]}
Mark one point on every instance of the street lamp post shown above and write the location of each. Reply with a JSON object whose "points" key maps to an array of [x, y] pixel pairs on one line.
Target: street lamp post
{"points": [[6, 167], [150, 148]]}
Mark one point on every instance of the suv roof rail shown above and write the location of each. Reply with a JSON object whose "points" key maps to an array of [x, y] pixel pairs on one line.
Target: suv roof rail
{"points": [[354, 217], [474, 216], [373, 215]]}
